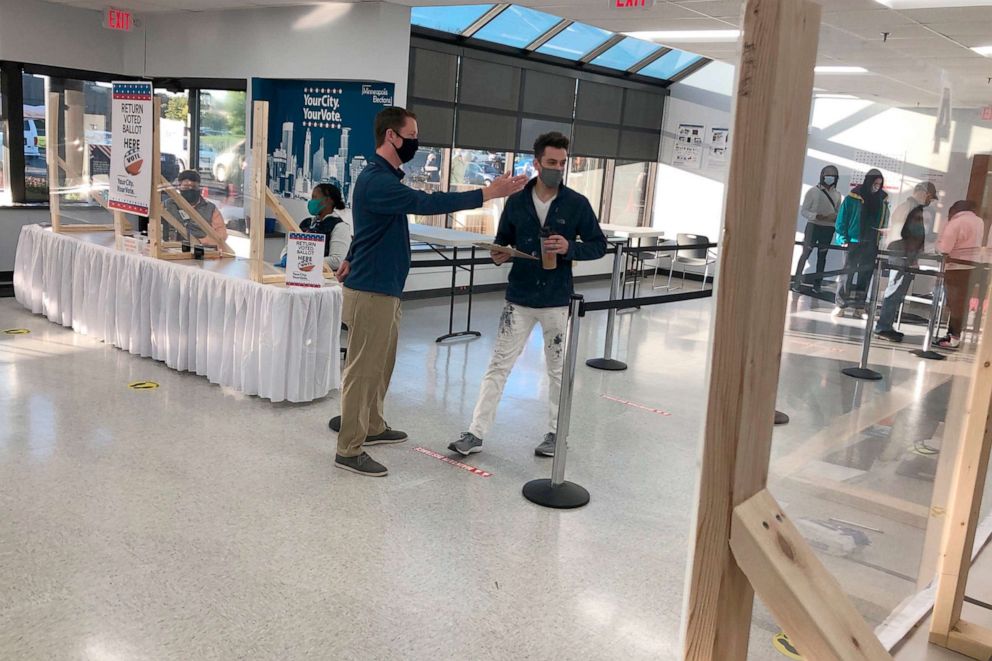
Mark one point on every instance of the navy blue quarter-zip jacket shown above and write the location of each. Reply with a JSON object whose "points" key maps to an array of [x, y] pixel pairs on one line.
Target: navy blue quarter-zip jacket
{"points": [[572, 217], [380, 251]]}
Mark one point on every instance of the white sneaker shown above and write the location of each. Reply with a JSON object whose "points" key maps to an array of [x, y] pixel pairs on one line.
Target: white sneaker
{"points": [[838, 311]]}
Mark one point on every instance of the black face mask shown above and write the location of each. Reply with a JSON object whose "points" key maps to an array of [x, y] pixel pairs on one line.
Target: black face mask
{"points": [[190, 195], [408, 149]]}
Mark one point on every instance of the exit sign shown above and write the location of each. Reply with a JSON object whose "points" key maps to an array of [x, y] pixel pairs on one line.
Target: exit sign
{"points": [[118, 19], [631, 4]]}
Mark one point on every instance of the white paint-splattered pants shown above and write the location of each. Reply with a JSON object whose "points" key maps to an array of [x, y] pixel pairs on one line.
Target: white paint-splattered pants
{"points": [[515, 325]]}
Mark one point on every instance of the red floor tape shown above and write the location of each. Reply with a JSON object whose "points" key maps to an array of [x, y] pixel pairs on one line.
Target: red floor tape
{"points": [[457, 464], [636, 406]]}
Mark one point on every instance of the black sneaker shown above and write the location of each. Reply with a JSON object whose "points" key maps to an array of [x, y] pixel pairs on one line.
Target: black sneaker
{"points": [[547, 447], [890, 335], [363, 464], [386, 437]]}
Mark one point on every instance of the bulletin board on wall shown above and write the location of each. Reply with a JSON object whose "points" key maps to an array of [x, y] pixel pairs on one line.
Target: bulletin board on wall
{"points": [[698, 146]]}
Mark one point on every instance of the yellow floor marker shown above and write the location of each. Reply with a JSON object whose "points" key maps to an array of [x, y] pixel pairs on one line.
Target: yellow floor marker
{"points": [[784, 647], [16, 331], [143, 385]]}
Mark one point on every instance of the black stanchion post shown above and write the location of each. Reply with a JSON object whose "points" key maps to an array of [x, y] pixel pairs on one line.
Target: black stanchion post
{"points": [[608, 362], [556, 492], [862, 371], [935, 312]]}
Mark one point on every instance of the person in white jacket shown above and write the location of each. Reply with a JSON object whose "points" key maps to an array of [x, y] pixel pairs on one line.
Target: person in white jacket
{"points": [[820, 211]]}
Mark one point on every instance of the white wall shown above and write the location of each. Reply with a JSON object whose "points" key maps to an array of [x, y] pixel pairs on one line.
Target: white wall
{"points": [[57, 35], [361, 41]]}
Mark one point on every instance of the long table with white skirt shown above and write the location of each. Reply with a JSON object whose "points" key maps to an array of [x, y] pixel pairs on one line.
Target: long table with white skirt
{"points": [[207, 317]]}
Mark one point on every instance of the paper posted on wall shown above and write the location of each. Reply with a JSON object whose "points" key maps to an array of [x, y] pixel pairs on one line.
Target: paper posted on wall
{"points": [[688, 146]]}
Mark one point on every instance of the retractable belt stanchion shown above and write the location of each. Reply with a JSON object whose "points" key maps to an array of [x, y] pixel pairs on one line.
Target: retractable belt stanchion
{"points": [[556, 492], [862, 371], [935, 312], [608, 362]]}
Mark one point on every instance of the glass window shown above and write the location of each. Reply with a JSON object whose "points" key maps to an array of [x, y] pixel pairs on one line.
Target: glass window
{"points": [[575, 41], [472, 169], [173, 130], [517, 26], [629, 193], [221, 157], [448, 19], [83, 140], [524, 164], [427, 172], [626, 54], [5, 199], [670, 64], [586, 175]]}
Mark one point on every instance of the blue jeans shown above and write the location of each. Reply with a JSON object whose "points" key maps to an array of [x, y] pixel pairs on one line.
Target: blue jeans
{"points": [[895, 293]]}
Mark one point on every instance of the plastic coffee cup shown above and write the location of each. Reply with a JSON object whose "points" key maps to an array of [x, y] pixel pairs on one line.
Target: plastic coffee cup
{"points": [[549, 258]]}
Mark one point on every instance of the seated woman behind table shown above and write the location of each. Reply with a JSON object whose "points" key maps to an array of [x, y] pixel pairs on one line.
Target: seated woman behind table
{"points": [[189, 188], [324, 201]]}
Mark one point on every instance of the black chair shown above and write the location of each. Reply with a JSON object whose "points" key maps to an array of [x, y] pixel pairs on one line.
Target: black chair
{"points": [[688, 255]]}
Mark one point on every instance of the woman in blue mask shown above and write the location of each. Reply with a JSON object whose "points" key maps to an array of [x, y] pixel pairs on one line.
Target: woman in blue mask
{"points": [[324, 201]]}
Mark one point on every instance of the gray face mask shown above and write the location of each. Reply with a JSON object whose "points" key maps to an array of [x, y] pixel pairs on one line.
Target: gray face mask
{"points": [[551, 178]]}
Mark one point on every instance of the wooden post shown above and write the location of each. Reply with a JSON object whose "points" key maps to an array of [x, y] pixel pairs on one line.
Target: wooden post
{"points": [[259, 145], [797, 589], [964, 503], [774, 93], [52, 155], [155, 205]]}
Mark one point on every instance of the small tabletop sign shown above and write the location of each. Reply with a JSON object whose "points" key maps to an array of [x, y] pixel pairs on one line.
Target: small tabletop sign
{"points": [[305, 260]]}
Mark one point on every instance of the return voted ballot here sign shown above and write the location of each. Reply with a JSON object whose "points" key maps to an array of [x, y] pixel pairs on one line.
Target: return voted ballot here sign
{"points": [[305, 260]]}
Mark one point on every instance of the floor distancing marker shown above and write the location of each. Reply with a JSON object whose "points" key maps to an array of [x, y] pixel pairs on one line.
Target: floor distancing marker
{"points": [[636, 405], [143, 385], [784, 646], [457, 464], [15, 331]]}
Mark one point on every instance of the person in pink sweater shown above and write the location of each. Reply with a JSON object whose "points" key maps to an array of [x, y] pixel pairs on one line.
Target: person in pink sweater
{"points": [[964, 233]]}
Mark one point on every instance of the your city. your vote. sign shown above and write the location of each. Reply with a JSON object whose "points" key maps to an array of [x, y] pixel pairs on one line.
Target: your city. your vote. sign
{"points": [[131, 147], [320, 131]]}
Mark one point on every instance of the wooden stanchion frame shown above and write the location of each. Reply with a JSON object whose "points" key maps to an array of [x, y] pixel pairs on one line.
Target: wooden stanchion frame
{"points": [[263, 199], [57, 166], [947, 629], [743, 541]]}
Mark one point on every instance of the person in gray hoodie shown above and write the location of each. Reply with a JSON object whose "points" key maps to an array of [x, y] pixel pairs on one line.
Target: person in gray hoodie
{"points": [[820, 211]]}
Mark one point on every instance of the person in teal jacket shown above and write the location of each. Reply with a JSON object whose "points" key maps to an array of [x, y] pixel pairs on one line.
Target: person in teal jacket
{"points": [[861, 215]]}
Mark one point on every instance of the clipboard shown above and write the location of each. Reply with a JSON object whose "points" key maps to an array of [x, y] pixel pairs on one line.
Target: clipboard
{"points": [[513, 252]]}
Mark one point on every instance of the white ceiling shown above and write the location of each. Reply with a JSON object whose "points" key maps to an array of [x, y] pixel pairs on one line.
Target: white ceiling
{"points": [[923, 44]]}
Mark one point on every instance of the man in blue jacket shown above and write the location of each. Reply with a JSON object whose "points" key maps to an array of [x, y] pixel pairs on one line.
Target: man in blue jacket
{"points": [[374, 274], [545, 216]]}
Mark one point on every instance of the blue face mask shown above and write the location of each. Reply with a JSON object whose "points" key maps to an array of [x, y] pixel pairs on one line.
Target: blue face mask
{"points": [[314, 207]]}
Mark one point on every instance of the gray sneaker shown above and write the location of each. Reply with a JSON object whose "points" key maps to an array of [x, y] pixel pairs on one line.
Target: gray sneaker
{"points": [[547, 448], [468, 444], [363, 464]]}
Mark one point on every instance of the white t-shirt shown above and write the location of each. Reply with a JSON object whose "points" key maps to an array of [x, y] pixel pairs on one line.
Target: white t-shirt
{"points": [[542, 208]]}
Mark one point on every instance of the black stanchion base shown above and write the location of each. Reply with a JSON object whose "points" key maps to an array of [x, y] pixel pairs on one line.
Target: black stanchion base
{"points": [[565, 496], [460, 334], [606, 364], [929, 355], [862, 373], [781, 418]]}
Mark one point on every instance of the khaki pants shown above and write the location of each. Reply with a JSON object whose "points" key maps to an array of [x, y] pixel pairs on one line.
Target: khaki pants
{"points": [[373, 327]]}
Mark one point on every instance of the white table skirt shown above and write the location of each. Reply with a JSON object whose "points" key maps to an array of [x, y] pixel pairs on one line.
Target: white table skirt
{"points": [[274, 342]]}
